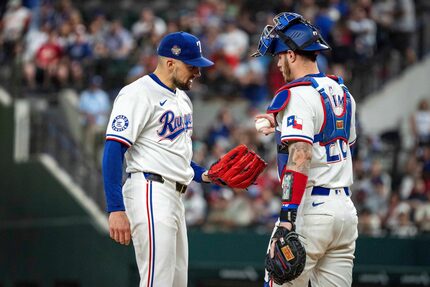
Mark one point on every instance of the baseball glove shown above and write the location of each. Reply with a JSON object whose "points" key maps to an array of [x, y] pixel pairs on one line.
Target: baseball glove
{"points": [[289, 257], [239, 168]]}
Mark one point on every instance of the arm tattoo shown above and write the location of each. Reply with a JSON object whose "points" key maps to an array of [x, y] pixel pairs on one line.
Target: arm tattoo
{"points": [[300, 157]]}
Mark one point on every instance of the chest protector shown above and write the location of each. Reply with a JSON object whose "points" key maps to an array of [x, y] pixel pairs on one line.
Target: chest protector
{"points": [[335, 127]]}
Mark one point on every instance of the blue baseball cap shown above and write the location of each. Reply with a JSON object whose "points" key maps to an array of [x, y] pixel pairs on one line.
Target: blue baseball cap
{"points": [[184, 47]]}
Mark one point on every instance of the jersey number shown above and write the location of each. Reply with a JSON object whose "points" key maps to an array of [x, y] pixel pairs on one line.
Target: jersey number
{"points": [[336, 151]]}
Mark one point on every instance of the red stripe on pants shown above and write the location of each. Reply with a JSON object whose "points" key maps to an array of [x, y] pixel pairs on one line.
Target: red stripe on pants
{"points": [[150, 237]]}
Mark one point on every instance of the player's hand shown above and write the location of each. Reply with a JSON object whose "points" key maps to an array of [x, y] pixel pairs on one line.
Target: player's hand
{"points": [[271, 129], [287, 225], [119, 227], [205, 177]]}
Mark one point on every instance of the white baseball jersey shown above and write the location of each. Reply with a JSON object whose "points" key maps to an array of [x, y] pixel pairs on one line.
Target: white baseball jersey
{"points": [[156, 124], [305, 116], [316, 109]]}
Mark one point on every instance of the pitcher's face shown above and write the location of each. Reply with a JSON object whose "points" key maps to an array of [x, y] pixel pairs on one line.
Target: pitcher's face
{"points": [[184, 74]]}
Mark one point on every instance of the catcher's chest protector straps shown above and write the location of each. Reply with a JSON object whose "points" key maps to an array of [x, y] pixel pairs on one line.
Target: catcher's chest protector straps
{"points": [[335, 126], [282, 97]]}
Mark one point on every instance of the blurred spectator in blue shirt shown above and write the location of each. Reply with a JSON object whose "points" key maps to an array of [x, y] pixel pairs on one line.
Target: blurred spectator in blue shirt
{"points": [[94, 106], [119, 41], [80, 53], [252, 78], [221, 127], [324, 21]]}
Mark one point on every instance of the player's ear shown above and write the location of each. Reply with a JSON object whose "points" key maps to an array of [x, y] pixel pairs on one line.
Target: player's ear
{"points": [[170, 63], [291, 56]]}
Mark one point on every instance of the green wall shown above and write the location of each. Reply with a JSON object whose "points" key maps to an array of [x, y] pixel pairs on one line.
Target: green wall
{"points": [[45, 235]]}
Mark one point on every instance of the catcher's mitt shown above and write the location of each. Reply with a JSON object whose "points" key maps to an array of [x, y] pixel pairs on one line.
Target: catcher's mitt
{"points": [[239, 168], [289, 257]]}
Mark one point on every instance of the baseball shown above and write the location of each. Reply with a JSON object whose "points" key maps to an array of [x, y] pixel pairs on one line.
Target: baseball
{"points": [[262, 123]]}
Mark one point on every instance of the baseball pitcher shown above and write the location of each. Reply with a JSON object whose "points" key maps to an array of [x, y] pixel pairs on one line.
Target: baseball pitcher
{"points": [[151, 127]]}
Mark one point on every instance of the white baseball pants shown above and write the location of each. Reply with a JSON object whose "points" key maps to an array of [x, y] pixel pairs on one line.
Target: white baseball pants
{"points": [[328, 225], [157, 218]]}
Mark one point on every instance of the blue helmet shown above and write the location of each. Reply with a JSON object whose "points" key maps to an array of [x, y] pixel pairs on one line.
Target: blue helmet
{"points": [[290, 32]]}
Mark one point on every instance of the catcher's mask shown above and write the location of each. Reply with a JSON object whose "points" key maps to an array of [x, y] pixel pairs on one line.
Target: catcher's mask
{"points": [[290, 32]]}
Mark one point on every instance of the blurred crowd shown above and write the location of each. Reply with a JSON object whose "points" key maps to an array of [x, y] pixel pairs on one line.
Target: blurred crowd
{"points": [[49, 45], [62, 43], [394, 198]]}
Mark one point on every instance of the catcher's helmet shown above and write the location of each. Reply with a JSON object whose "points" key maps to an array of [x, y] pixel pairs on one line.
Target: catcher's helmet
{"points": [[290, 32]]}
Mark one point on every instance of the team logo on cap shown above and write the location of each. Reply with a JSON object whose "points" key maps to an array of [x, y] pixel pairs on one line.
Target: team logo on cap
{"points": [[120, 123], [176, 50]]}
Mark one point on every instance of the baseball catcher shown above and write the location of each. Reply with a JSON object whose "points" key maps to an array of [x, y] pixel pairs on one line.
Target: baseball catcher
{"points": [[313, 120], [239, 168]]}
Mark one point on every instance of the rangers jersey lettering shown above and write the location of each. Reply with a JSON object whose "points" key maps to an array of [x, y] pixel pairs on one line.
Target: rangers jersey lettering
{"points": [[173, 125]]}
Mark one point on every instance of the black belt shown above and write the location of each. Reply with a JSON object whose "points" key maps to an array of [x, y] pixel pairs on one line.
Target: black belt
{"points": [[181, 188], [318, 190]]}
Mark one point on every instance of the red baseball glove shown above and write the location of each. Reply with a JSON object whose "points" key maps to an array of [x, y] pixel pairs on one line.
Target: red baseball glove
{"points": [[239, 168]]}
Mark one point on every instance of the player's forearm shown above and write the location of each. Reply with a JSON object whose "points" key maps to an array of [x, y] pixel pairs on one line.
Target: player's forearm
{"points": [[300, 156], [294, 179]]}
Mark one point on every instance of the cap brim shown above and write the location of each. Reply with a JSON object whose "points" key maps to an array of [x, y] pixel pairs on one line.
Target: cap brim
{"points": [[199, 62]]}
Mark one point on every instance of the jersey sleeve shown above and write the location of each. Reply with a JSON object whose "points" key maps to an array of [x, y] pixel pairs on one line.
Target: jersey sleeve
{"points": [[130, 113], [353, 133], [198, 171], [113, 157], [297, 121]]}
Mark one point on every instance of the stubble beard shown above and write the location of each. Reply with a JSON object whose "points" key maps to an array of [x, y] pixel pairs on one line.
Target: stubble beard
{"points": [[286, 72], [180, 85]]}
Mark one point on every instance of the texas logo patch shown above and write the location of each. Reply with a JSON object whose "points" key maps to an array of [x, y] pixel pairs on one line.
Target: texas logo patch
{"points": [[295, 122]]}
